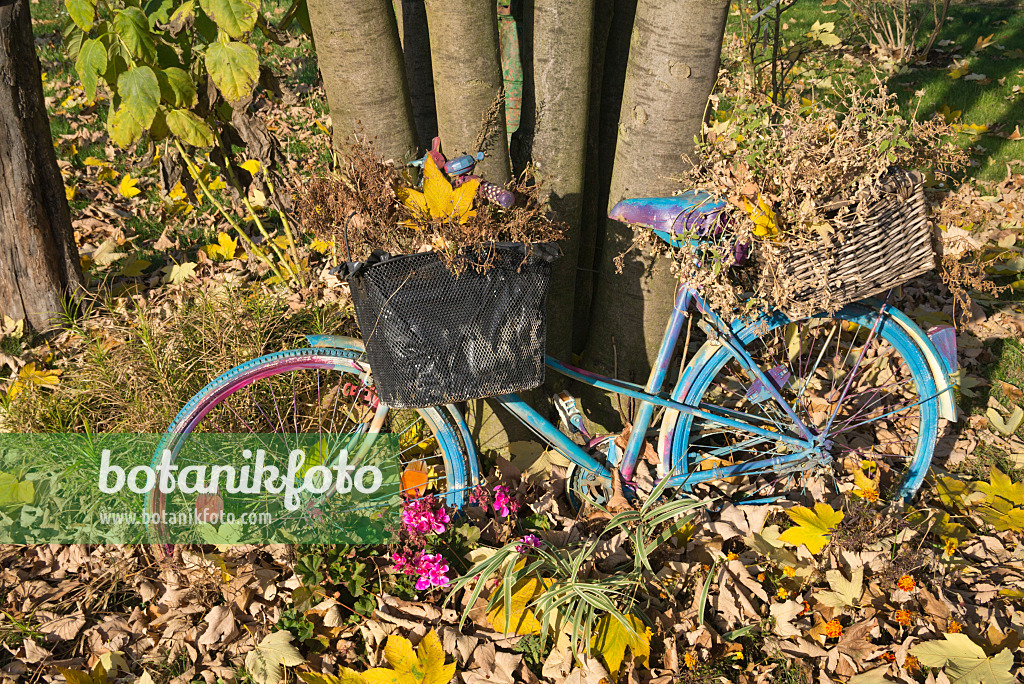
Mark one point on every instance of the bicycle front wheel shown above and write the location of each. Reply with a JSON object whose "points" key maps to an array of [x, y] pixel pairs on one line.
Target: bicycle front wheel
{"points": [[324, 392], [856, 379]]}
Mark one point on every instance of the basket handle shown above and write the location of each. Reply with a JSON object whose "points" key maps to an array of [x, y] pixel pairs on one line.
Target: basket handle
{"points": [[348, 250]]}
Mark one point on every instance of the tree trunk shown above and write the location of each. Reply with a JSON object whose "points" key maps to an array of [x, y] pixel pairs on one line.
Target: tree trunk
{"points": [[556, 60], [412, 26], [466, 60], [39, 263], [361, 61], [614, 26], [672, 68]]}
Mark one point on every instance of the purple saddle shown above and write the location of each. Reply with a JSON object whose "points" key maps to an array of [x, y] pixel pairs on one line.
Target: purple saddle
{"points": [[692, 212]]}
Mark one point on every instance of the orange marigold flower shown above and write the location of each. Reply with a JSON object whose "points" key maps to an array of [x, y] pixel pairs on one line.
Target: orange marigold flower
{"points": [[955, 627], [869, 494], [760, 577], [902, 617], [789, 571], [889, 657], [807, 608], [782, 594], [689, 660], [833, 629], [912, 664], [906, 583], [733, 556], [951, 545]]}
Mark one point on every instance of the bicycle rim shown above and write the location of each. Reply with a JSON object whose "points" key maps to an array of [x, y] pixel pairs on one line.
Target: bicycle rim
{"points": [[869, 387], [320, 392]]}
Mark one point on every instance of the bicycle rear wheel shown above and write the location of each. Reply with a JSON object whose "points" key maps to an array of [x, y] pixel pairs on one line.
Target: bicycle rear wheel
{"points": [[867, 390], [323, 392]]}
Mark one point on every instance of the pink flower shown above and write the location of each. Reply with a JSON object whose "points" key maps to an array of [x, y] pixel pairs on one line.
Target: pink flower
{"points": [[433, 571], [530, 541], [431, 568], [504, 505], [420, 517]]}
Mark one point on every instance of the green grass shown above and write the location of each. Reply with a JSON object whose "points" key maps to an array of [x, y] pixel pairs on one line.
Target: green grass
{"points": [[992, 104]]}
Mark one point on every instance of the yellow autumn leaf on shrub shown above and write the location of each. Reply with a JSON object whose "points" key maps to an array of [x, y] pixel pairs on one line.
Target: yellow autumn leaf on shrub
{"points": [[128, 186], [814, 528], [224, 250], [439, 201], [29, 376], [612, 637], [762, 216]]}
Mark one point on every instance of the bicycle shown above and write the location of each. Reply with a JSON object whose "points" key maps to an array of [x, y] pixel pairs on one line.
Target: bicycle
{"points": [[760, 405]]}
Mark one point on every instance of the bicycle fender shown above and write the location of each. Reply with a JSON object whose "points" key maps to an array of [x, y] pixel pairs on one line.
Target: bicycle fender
{"points": [[941, 365], [336, 342]]}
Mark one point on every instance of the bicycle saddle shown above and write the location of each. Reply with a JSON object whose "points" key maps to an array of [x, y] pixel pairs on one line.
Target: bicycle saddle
{"points": [[691, 212]]}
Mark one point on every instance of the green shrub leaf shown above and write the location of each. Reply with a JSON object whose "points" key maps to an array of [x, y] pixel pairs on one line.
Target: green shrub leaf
{"points": [[140, 95], [234, 68], [83, 12], [234, 17], [124, 128], [182, 18], [189, 127], [176, 87], [133, 27], [92, 61]]}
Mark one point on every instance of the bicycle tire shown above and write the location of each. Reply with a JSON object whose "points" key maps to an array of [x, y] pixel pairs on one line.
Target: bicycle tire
{"points": [[905, 467], [201, 412]]}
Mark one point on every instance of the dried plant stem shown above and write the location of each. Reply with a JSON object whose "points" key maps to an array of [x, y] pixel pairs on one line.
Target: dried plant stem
{"points": [[223, 212]]}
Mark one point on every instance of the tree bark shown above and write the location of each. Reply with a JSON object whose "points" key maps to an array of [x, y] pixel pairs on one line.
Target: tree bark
{"points": [[612, 31], [362, 64], [672, 68], [466, 60], [412, 27], [39, 262], [556, 61]]}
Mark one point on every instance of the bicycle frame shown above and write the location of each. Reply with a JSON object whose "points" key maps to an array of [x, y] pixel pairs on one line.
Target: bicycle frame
{"points": [[651, 396]]}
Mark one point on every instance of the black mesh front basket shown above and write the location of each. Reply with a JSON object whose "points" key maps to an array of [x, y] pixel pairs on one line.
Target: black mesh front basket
{"points": [[433, 337]]}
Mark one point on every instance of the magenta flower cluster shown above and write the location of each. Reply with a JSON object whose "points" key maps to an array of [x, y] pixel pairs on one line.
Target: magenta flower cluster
{"points": [[424, 516], [431, 569], [530, 541], [504, 504]]}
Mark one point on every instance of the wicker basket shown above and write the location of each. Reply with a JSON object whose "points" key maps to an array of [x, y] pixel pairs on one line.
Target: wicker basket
{"points": [[889, 242]]}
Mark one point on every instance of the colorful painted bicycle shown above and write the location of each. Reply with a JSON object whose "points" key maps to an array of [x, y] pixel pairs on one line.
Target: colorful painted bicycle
{"points": [[761, 409]]}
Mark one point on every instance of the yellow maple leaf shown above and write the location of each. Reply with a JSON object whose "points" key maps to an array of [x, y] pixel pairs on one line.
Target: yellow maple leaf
{"points": [[128, 186], [93, 161], [253, 166], [320, 246], [425, 665], [134, 268], [224, 250], [950, 115], [178, 193], [69, 192], [29, 376], [762, 216], [814, 528], [97, 676], [612, 637], [347, 676], [439, 201]]}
